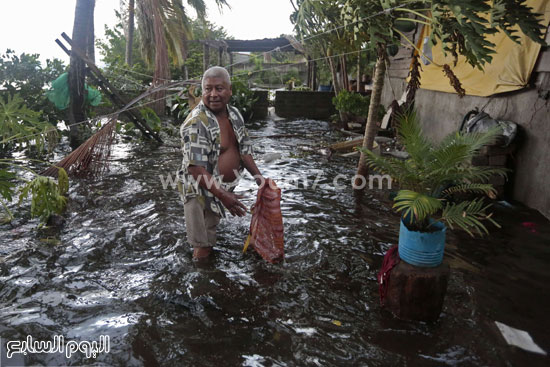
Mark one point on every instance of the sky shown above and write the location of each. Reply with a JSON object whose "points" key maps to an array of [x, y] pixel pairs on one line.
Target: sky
{"points": [[32, 26]]}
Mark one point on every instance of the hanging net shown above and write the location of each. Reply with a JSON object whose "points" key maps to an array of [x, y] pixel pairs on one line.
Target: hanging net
{"points": [[59, 93]]}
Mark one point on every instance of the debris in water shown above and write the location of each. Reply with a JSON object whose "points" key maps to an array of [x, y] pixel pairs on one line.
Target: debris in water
{"points": [[530, 225], [519, 338]]}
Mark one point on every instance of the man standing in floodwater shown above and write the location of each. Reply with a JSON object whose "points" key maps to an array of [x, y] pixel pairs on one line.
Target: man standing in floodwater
{"points": [[216, 149]]}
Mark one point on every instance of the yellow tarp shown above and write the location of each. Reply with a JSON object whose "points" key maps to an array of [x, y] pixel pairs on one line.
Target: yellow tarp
{"points": [[509, 70]]}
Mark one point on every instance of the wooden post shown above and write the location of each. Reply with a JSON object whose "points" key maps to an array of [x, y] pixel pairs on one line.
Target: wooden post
{"points": [[231, 63], [358, 72], [344, 70], [220, 56], [309, 72], [130, 36], [314, 79], [206, 57], [417, 293]]}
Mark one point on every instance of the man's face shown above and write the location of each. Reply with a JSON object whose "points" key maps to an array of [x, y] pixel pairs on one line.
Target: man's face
{"points": [[216, 94]]}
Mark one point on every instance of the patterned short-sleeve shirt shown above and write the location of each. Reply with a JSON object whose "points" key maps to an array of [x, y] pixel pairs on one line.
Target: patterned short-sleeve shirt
{"points": [[200, 134]]}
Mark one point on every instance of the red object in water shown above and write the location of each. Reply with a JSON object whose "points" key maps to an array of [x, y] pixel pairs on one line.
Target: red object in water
{"points": [[266, 227], [530, 225], [391, 259]]}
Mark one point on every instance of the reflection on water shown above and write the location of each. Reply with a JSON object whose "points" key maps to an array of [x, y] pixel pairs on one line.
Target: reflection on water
{"points": [[121, 267]]}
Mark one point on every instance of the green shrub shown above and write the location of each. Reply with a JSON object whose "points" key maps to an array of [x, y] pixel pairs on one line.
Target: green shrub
{"points": [[21, 127], [243, 98], [352, 103], [434, 179], [24, 75], [47, 195]]}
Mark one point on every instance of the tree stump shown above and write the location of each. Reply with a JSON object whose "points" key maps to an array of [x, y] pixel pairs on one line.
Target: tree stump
{"points": [[417, 293]]}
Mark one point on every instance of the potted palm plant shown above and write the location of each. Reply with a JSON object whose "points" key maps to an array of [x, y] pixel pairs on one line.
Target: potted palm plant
{"points": [[436, 182]]}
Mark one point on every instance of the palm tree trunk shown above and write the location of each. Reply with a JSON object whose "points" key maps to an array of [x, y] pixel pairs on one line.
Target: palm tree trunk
{"points": [[358, 84], [90, 50], [84, 11], [162, 66], [344, 73], [334, 74], [130, 34], [371, 127]]}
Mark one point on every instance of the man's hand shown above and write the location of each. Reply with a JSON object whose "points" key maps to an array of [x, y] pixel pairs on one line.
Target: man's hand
{"points": [[232, 203], [260, 180]]}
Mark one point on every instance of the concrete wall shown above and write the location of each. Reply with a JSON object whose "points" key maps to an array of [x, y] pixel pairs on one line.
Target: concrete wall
{"points": [[442, 113], [312, 105], [259, 108]]}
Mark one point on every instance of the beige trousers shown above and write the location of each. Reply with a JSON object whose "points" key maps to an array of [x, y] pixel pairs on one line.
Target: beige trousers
{"points": [[200, 223]]}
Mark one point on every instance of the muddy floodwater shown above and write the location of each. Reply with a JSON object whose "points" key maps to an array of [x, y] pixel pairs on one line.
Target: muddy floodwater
{"points": [[120, 267]]}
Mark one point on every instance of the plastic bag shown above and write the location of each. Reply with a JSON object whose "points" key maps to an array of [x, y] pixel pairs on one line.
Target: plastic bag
{"points": [[475, 121]]}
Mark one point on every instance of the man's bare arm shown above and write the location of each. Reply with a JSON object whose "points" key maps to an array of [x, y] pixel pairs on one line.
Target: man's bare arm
{"points": [[228, 199], [250, 165]]}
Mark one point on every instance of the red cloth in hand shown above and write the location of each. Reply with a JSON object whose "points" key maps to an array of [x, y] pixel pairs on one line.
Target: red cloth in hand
{"points": [[266, 227], [391, 259]]}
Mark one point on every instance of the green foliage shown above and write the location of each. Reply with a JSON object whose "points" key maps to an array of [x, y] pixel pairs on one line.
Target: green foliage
{"points": [[434, 177], [243, 97], [462, 26], [292, 76], [180, 107], [321, 27], [138, 76], [353, 103], [7, 188], [113, 51], [7, 184], [21, 127], [47, 196], [24, 75], [151, 118], [269, 76], [126, 128], [195, 54]]}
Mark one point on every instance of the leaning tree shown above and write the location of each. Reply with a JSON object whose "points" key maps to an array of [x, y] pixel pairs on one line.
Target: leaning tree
{"points": [[83, 37]]}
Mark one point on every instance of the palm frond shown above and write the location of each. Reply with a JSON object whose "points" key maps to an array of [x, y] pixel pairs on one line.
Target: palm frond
{"points": [[486, 189], [200, 7], [474, 140], [470, 174], [384, 165], [450, 155], [221, 4], [410, 135], [468, 216], [416, 205], [175, 24], [434, 172]]}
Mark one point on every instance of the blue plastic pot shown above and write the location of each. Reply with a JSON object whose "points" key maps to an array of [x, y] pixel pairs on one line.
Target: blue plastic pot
{"points": [[423, 249]]}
